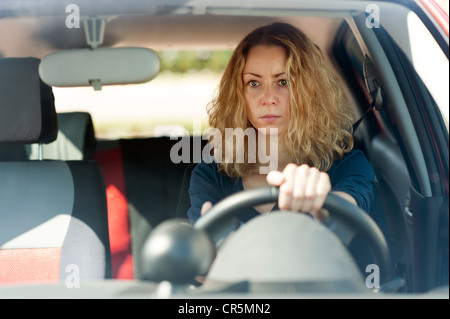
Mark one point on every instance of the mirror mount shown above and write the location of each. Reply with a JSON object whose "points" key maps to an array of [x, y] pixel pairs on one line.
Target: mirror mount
{"points": [[94, 27], [96, 84]]}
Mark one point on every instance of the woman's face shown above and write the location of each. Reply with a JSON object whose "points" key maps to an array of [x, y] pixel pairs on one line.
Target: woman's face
{"points": [[266, 89]]}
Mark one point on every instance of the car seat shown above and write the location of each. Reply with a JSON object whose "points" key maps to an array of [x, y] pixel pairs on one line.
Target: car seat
{"points": [[53, 214]]}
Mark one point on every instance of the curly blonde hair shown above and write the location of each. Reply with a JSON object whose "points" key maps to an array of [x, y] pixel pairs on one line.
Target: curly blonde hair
{"points": [[320, 127]]}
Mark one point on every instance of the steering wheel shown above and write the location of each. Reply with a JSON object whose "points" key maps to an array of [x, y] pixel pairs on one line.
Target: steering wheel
{"points": [[345, 220]]}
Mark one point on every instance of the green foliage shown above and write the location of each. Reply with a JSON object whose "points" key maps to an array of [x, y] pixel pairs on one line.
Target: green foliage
{"points": [[183, 61]]}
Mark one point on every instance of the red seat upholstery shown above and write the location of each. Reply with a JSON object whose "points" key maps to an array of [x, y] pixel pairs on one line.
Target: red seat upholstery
{"points": [[119, 225]]}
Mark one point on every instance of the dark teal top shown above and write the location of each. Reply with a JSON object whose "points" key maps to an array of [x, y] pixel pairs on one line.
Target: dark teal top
{"points": [[352, 174]]}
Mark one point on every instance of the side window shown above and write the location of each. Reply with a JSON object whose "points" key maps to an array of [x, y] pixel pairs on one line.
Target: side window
{"points": [[426, 116]]}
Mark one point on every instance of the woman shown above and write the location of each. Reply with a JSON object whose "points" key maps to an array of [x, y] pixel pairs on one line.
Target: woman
{"points": [[278, 83]]}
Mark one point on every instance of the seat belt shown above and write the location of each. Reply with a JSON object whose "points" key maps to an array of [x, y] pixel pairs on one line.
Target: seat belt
{"points": [[377, 104], [374, 90]]}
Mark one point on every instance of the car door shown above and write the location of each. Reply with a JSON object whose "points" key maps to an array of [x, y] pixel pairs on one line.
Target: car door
{"points": [[408, 46]]}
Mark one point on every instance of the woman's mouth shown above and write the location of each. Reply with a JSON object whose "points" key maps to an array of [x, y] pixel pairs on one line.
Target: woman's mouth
{"points": [[269, 118]]}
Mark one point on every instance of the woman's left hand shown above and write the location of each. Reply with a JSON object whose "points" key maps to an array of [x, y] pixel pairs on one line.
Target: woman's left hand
{"points": [[302, 188]]}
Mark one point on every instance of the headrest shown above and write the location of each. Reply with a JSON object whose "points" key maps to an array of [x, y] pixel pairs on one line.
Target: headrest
{"points": [[27, 108]]}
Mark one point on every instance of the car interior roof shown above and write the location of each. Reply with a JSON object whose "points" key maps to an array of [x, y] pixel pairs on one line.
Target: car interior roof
{"points": [[38, 32], [39, 36]]}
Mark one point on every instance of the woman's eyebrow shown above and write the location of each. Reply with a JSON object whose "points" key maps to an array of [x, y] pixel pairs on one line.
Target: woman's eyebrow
{"points": [[279, 74], [259, 76], [254, 74]]}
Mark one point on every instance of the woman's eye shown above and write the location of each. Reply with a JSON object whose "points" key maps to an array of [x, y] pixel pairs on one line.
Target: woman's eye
{"points": [[253, 83], [283, 83]]}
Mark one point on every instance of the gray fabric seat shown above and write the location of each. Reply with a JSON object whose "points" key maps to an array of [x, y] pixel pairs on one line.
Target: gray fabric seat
{"points": [[53, 213]]}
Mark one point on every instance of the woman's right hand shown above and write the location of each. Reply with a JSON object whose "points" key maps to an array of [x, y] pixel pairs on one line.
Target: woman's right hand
{"points": [[205, 207], [302, 188]]}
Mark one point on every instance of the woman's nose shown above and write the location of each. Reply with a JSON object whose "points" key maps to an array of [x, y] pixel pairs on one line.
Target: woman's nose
{"points": [[269, 96]]}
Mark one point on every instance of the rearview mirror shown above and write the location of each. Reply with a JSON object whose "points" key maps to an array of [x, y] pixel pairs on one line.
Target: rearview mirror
{"points": [[102, 66]]}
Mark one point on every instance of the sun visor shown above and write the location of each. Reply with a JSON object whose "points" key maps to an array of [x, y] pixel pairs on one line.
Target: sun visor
{"points": [[102, 66]]}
